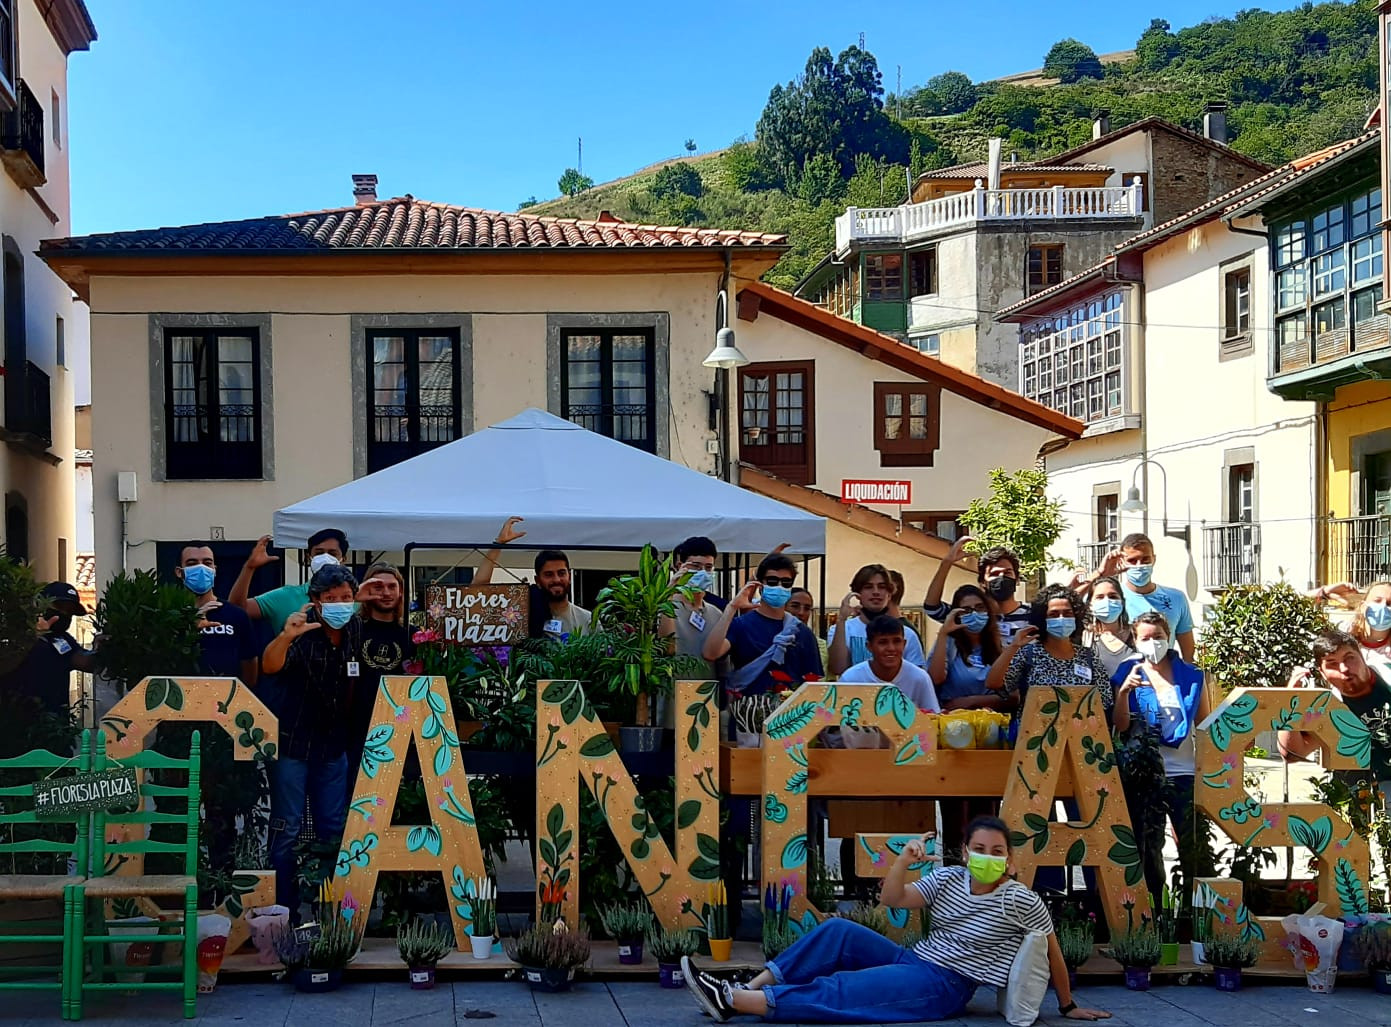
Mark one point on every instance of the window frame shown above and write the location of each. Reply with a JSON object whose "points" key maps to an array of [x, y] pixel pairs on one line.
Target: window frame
{"points": [[907, 452], [925, 256], [414, 446], [1085, 345], [9, 55], [1106, 506], [929, 522], [803, 473], [882, 292], [606, 334], [1045, 251], [212, 459]]}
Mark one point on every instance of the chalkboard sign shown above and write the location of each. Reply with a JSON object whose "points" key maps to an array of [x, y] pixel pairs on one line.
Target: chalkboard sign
{"points": [[477, 615], [112, 790]]}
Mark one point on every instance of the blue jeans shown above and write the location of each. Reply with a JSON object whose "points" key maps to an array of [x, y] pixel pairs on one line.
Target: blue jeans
{"points": [[325, 783], [842, 972]]}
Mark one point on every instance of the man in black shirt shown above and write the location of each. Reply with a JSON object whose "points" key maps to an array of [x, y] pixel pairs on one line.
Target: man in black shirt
{"points": [[45, 673], [317, 656], [386, 646]]}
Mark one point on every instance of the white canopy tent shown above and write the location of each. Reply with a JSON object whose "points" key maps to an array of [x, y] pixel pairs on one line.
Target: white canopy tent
{"points": [[575, 489]]}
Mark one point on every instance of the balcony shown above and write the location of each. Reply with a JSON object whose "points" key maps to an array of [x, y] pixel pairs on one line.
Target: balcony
{"points": [[21, 140], [913, 221], [28, 411], [1231, 555], [1091, 554], [1359, 549]]}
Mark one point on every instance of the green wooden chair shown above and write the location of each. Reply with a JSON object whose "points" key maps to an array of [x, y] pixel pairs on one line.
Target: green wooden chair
{"points": [[29, 845], [105, 885]]}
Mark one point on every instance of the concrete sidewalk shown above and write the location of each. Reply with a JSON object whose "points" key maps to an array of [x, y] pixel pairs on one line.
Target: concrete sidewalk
{"points": [[644, 1004]]}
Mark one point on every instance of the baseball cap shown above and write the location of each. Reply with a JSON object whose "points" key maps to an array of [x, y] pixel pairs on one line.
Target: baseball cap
{"points": [[62, 592]]}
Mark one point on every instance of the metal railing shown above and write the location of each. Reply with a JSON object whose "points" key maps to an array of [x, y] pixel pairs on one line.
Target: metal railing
{"points": [[23, 128], [28, 407], [1090, 554], [1231, 555], [916, 220], [1359, 549]]}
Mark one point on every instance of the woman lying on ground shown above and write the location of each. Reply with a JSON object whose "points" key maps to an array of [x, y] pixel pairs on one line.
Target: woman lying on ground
{"points": [[842, 972]]}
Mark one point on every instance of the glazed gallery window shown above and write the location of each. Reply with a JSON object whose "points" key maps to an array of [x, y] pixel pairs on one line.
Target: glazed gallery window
{"points": [[608, 383], [413, 404], [884, 276], [1328, 270], [1075, 362], [212, 403], [776, 419]]}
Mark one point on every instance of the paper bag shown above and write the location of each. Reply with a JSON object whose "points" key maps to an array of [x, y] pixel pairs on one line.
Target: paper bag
{"points": [[1314, 941]]}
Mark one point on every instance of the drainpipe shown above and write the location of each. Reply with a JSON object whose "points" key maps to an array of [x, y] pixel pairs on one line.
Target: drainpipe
{"points": [[1322, 525], [722, 376]]}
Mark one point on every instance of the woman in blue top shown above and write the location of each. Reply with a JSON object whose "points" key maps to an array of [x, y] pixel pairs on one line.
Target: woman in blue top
{"points": [[967, 644], [1158, 692]]}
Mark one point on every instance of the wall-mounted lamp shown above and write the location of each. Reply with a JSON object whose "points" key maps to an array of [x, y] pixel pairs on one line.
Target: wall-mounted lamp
{"points": [[1134, 504], [726, 354]]}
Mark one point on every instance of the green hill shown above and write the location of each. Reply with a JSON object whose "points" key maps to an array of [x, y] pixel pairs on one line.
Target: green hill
{"points": [[1295, 81]]}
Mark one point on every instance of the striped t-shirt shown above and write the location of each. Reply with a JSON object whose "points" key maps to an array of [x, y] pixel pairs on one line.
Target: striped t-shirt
{"points": [[978, 936]]}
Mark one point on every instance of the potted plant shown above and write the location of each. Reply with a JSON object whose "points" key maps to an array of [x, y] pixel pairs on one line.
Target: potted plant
{"points": [[631, 608], [1202, 932], [1166, 925], [749, 712], [549, 955], [484, 917], [1077, 939], [422, 944], [778, 932], [1228, 954], [1137, 951], [1374, 948], [627, 924], [867, 914], [667, 946], [717, 923], [315, 955]]}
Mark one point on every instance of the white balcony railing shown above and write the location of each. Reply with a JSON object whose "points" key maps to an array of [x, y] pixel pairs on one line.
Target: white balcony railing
{"points": [[913, 221]]}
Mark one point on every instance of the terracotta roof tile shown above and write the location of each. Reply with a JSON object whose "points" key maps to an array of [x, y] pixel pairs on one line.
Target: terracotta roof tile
{"points": [[408, 224], [980, 169], [1156, 122]]}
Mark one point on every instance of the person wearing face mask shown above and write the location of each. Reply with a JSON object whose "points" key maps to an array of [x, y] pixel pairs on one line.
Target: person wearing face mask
{"points": [[871, 591], [997, 572], [967, 646], [1110, 633], [693, 568], [386, 646], [227, 644], [45, 673], [844, 972], [317, 656], [325, 547], [1133, 560], [1050, 651], [761, 638], [1371, 625], [1158, 692]]}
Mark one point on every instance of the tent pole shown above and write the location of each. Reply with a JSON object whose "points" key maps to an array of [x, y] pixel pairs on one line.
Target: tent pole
{"points": [[823, 595], [410, 579]]}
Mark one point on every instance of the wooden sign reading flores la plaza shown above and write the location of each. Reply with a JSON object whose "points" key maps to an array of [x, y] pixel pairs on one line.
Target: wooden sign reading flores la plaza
{"points": [[476, 615]]}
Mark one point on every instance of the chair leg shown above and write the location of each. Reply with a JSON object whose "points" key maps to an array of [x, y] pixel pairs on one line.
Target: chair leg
{"points": [[190, 953], [65, 985]]}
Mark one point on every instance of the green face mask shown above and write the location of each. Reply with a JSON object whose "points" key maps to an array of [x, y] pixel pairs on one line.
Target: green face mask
{"points": [[985, 868]]}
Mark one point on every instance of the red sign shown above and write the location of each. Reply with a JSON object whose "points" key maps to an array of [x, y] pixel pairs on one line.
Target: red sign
{"points": [[898, 493]]}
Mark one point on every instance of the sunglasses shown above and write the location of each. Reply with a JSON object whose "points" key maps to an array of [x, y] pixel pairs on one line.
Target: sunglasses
{"points": [[775, 581]]}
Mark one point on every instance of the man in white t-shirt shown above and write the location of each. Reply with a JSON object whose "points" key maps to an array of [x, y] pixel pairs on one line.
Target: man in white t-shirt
{"points": [[887, 666], [848, 643]]}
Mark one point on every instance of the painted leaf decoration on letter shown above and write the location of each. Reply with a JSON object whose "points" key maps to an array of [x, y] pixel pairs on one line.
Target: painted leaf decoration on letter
{"points": [[774, 811], [380, 735], [175, 699], [890, 700], [436, 702], [1313, 836], [790, 721], [1352, 894], [794, 853], [687, 813], [600, 745], [155, 692], [419, 687], [444, 759], [1354, 739]]}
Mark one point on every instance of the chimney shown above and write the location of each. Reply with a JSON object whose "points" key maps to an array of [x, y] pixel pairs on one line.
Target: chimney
{"points": [[1215, 122], [364, 189], [1101, 124], [607, 217]]}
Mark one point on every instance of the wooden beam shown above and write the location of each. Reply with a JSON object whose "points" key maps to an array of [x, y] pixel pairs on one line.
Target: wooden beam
{"points": [[749, 302]]}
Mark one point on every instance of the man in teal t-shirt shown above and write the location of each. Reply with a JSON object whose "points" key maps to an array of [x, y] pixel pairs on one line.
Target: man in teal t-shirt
{"points": [[327, 546], [1142, 595]]}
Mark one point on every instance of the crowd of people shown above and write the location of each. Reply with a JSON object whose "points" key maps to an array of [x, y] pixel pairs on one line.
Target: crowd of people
{"points": [[333, 637]]}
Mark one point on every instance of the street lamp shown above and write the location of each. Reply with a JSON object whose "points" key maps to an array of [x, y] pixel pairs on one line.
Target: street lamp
{"points": [[726, 355], [1134, 504]]}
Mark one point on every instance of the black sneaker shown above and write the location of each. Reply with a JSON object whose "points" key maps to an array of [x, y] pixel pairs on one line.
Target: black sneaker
{"points": [[708, 991]]}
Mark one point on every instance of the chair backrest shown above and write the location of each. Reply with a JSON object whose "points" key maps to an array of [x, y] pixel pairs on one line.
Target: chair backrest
{"points": [[30, 844], [113, 841]]}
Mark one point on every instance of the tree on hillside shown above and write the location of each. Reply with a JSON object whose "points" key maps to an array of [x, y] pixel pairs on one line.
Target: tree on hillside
{"points": [[747, 168], [952, 92], [572, 183], [676, 180], [835, 108], [690, 146], [820, 180], [1156, 46], [1071, 61], [530, 201]]}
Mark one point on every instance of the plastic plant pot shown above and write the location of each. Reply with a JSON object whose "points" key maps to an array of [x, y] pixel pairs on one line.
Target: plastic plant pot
{"points": [[630, 951], [422, 978], [720, 949], [1227, 978], [1137, 978], [669, 975]]}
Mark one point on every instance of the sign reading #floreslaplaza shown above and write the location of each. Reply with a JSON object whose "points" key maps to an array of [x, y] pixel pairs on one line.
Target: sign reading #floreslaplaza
{"points": [[85, 793]]}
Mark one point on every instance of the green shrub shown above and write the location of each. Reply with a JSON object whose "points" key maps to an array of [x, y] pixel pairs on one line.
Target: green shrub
{"points": [[1257, 634], [147, 629], [20, 606]]}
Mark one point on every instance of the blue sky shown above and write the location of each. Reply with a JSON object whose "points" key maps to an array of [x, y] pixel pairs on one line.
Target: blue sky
{"points": [[211, 110]]}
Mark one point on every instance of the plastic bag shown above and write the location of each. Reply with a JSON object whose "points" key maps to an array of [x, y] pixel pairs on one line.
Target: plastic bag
{"points": [[265, 923], [1314, 941], [212, 943]]}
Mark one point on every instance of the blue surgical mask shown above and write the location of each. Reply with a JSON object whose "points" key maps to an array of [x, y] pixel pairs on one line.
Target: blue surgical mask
{"points": [[776, 596], [1107, 610], [701, 580], [1061, 627], [335, 615], [1378, 616], [974, 621], [1139, 574], [198, 579]]}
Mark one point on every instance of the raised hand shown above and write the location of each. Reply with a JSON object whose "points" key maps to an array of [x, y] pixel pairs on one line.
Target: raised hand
{"points": [[744, 601], [509, 532], [259, 557], [953, 622], [958, 548], [45, 624], [299, 623]]}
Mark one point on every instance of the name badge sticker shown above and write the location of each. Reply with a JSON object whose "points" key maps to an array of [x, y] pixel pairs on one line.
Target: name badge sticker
{"points": [[353, 669], [61, 644], [554, 627], [697, 620], [1083, 672]]}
